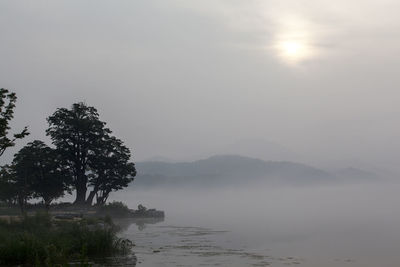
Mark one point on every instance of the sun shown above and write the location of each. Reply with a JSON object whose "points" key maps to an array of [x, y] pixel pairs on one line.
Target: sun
{"points": [[294, 40], [293, 51]]}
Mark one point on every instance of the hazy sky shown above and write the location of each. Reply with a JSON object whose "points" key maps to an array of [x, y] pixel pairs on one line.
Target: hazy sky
{"points": [[180, 78]]}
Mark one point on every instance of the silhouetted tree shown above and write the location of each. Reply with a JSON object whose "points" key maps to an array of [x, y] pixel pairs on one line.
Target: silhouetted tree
{"points": [[7, 105], [19, 187], [95, 158], [76, 133], [110, 169], [8, 188], [41, 168]]}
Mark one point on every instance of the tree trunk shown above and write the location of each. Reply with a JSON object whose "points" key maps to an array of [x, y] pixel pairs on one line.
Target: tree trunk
{"points": [[80, 193], [80, 184], [101, 200], [91, 196]]}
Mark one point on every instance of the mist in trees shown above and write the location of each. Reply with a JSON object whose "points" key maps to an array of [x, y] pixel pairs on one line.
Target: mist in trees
{"points": [[86, 156]]}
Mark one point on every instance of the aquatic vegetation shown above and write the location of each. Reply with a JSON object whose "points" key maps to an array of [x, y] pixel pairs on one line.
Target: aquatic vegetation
{"points": [[40, 241]]}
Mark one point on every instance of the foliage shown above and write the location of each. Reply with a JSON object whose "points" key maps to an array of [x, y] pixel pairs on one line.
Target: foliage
{"points": [[85, 155], [141, 208], [40, 241], [95, 158], [40, 167], [111, 169], [8, 189], [115, 209], [76, 133], [7, 105], [17, 189]]}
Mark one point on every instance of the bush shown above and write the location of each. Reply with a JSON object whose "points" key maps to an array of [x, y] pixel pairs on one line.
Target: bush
{"points": [[39, 241], [115, 209]]}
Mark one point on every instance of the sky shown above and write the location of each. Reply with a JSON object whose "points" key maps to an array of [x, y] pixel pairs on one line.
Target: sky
{"points": [[184, 79]]}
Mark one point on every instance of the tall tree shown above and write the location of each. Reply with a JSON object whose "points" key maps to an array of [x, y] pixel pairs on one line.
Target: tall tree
{"points": [[8, 188], [77, 133], [7, 105], [42, 169], [110, 169]]}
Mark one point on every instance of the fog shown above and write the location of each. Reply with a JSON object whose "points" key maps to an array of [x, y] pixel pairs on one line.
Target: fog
{"points": [[183, 79], [335, 225], [309, 82]]}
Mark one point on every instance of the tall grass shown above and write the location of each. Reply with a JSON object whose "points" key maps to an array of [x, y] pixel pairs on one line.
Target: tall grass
{"points": [[39, 241]]}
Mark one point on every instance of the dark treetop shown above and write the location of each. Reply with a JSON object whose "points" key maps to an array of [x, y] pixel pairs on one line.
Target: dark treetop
{"points": [[7, 105], [95, 157]]}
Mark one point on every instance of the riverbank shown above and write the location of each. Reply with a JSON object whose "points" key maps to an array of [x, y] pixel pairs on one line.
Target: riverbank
{"points": [[69, 211], [66, 234], [42, 240]]}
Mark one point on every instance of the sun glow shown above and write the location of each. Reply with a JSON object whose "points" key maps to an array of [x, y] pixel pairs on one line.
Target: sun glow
{"points": [[293, 51], [292, 48], [293, 40]]}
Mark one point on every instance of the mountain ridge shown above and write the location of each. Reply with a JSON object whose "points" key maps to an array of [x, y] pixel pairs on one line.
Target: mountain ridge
{"points": [[226, 169]]}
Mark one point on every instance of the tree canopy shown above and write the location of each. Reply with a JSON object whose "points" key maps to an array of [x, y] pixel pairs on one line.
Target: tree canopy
{"points": [[85, 156], [8, 188], [76, 133], [18, 187], [87, 148], [7, 106], [42, 169], [110, 169]]}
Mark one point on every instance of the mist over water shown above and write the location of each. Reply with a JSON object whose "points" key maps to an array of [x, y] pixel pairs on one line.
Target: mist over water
{"points": [[307, 89], [326, 225]]}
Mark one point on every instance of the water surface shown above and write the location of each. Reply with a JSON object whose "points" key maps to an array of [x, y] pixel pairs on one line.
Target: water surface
{"points": [[259, 225]]}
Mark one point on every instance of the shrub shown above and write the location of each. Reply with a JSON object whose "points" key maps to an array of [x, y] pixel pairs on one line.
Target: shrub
{"points": [[115, 209], [39, 241]]}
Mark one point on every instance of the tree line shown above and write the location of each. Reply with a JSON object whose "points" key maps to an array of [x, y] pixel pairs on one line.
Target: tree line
{"points": [[85, 159]]}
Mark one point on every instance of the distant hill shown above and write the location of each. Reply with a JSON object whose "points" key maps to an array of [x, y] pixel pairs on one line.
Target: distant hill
{"points": [[227, 169], [159, 159], [261, 149], [355, 173]]}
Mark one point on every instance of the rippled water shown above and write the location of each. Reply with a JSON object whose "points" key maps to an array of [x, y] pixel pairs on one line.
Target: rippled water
{"points": [[168, 245], [346, 225]]}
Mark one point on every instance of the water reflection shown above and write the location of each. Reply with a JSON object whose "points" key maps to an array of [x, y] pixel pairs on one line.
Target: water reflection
{"points": [[128, 260], [116, 261], [141, 223]]}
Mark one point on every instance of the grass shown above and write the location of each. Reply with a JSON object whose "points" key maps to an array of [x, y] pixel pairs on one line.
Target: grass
{"points": [[39, 241], [115, 209], [7, 211]]}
